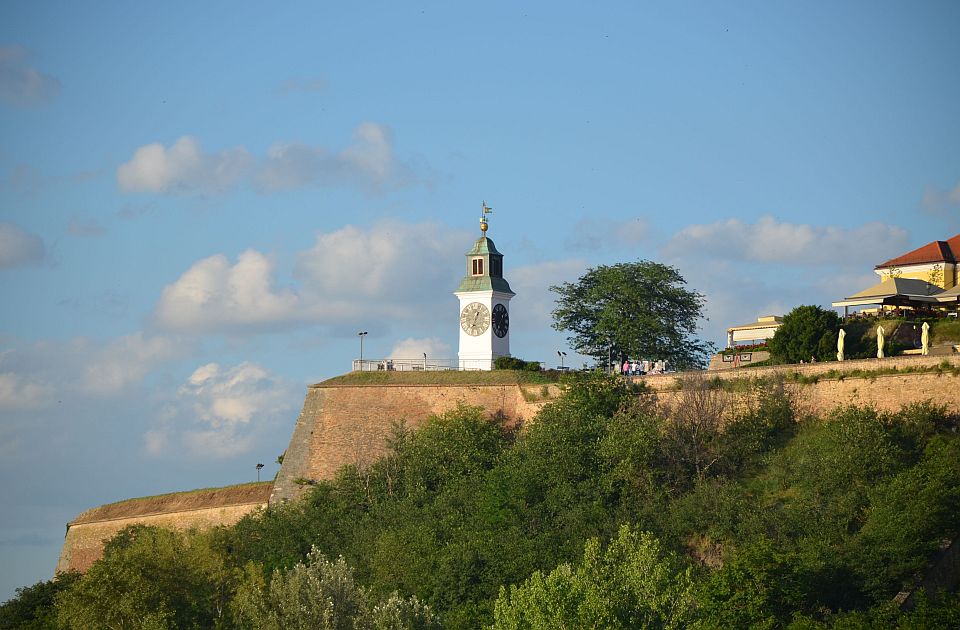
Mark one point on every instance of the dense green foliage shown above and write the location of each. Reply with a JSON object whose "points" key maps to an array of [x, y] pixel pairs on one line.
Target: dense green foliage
{"points": [[513, 363], [806, 332], [635, 310], [609, 510]]}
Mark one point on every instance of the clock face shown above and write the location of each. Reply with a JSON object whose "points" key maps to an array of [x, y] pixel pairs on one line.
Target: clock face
{"points": [[501, 320], [475, 319]]}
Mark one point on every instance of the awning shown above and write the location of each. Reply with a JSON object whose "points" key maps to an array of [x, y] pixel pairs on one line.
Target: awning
{"points": [[894, 292], [950, 295]]}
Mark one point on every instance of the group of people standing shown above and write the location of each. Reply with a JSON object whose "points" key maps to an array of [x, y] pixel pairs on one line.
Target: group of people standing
{"points": [[639, 368]]}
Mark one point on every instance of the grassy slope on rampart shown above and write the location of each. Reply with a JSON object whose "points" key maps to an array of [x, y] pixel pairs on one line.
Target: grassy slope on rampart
{"points": [[254, 492], [445, 377]]}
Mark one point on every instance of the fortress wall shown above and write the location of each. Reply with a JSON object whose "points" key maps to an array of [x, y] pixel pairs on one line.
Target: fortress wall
{"points": [[885, 392], [342, 425], [84, 542], [666, 382]]}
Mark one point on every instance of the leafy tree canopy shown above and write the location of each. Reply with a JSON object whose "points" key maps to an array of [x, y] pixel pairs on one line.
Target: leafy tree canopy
{"points": [[639, 310], [807, 331]]}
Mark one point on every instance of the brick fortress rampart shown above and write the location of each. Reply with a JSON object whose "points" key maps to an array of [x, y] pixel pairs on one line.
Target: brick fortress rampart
{"points": [[350, 424]]}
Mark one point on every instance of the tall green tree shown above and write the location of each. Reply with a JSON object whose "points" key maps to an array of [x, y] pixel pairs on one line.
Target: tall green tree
{"points": [[807, 331], [633, 583], [638, 310]]}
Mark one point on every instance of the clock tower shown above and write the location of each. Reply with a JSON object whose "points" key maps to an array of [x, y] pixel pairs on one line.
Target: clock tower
{"points": [[484, 297]]}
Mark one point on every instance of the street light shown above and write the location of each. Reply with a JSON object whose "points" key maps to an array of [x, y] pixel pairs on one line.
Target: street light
{"points": [[361, 334], [561, 355], [259, 466], [424, 361]]}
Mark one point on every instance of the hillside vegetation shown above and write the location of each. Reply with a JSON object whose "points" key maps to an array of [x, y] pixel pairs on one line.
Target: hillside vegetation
{"points": [[443, 377], [608, 511]]}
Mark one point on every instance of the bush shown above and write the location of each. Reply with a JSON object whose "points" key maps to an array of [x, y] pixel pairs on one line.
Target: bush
{"points": [[513, 363], [807, 331]]}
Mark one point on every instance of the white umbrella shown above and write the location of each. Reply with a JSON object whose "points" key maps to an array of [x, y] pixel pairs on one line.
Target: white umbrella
{"points": [[879, 342], [925, 339], [843, 334]]}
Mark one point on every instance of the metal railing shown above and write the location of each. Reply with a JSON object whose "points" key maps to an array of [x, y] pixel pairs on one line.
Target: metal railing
{"points": [[403, 365]]}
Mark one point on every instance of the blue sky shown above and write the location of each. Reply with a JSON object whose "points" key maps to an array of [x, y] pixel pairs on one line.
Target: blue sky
{"points": [[202, 203]]}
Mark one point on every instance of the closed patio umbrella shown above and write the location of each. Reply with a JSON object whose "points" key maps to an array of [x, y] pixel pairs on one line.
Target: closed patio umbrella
{"points": [[843, 334], [925, 339], [879, 342]]}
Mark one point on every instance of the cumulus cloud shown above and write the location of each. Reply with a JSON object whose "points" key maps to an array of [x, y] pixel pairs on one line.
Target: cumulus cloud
{"points": [[124, 361], [18, 247], [388, 260], [183, 168], [21, 85], [215, 295], [593, 234], [413, 348], [368, 162], [383, 279], [772, 241], [229, 408], [16, 392]]}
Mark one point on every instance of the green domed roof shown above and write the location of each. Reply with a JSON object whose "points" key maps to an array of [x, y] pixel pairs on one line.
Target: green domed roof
{"points": [[483, 246]]}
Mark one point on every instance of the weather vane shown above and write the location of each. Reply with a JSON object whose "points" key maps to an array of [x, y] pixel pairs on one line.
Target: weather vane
{"points": [[483, 217]]}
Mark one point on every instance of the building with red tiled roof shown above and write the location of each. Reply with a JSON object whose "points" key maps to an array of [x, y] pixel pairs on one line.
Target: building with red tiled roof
{"points": [[937, 262]]}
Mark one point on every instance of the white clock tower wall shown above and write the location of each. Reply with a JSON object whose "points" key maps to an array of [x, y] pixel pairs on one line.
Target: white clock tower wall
{"points": [[484, 296]]}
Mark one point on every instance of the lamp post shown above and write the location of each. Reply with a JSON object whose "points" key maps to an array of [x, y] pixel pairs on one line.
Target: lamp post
{"points": [[424, 361], [259, 466], [361, 334], [561, 355]]}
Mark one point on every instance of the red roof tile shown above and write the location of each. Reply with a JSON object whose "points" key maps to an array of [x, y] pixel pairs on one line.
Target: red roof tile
{"points": [[933, 252]]}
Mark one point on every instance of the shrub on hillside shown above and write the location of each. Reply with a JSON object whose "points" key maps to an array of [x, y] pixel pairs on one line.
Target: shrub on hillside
{"points": [[807, 331], [513, 363]]}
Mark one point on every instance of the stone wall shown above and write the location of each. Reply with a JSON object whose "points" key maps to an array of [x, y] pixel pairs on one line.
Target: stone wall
{"points": [[350, 424], [883, 391], [87, 534]]}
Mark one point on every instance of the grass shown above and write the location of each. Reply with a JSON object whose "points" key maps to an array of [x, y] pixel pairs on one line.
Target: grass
{"points": [[184, 493], [171, 502], [944, 332], [446, 377]]}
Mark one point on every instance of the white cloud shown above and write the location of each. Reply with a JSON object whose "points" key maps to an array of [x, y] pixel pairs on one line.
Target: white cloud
{"points": [[183, 168], [368, 163], [125, 361], [17, 392], [22, 85], [393, 273], [412, 348], [214, 295], [389, 260], [18, 247], [772, 241], [224, 410]]}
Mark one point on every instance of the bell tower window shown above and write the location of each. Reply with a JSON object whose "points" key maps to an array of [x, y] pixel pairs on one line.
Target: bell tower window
{"points": [[478, 266], [496, 267]]}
